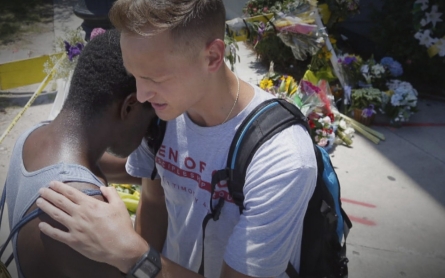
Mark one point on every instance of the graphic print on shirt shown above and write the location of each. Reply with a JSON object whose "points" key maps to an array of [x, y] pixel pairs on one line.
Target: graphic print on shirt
{"points": [[192, 169]]}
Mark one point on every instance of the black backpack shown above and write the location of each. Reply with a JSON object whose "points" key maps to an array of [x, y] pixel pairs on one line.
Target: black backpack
{"points": [[325, 222]]}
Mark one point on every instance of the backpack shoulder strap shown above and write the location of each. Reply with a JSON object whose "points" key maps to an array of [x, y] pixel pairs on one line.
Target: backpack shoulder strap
{"points": [[25, 219], [155, 142], [265, 121]]}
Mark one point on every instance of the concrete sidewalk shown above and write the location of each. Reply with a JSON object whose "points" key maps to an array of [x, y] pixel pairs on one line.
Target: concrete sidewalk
{"points": [[394, 192]]}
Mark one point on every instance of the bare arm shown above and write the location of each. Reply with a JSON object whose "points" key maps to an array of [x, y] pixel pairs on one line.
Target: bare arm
{"points": [[151, 210], [85, 216], [51, 258], [114, 169]]}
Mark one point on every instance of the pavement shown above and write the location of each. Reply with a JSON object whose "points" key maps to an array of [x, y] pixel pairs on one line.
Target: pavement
{"points": [[394, 192]]}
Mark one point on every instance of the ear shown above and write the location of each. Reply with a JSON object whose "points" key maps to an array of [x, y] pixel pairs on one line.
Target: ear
{"points": [[215, 54], [128, 105]]}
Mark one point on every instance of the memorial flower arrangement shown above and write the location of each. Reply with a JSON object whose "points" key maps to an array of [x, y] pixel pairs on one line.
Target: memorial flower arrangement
{"points": [[71, 44], [350, 66], [317, 104], [430, 26], [322, 129], [376, 74], [400, 101], [279, 85]]}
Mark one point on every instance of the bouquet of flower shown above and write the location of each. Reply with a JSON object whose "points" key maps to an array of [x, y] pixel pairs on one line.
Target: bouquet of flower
{"points": [[322, 129], [282, 86], [316, 103], [430, 26], [350, 66], [72, 44], [374, 74], [400, 102]]}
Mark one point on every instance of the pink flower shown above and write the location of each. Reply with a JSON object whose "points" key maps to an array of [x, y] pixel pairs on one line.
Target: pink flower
{"points": [[96, 32]]}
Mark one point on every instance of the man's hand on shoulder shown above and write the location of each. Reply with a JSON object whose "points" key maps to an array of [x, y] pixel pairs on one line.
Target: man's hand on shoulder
{"points": [[102, 231]]}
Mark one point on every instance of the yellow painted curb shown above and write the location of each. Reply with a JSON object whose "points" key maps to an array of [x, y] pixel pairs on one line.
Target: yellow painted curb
{"points": [[23, 72]]}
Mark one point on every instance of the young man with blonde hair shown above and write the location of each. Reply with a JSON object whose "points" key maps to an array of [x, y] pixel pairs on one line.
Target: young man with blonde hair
{"points": [[175, 50]]}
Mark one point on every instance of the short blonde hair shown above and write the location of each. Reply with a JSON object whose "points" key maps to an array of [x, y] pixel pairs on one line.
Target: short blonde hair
{"points": [[187, 21]]}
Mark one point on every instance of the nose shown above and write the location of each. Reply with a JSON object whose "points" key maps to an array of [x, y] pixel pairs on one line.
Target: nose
{"points": [[143, 91]]}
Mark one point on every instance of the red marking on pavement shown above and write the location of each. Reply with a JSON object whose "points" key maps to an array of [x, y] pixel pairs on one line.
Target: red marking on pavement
{"points": [[357, 203], [414, 124], [362, 220]]}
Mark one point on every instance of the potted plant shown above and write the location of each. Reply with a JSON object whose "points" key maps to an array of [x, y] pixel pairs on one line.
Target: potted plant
{"points": [[364, 103]]}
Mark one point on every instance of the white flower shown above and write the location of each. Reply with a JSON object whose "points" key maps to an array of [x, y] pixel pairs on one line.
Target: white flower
{"points": [[342, 124], [327, 120], [349, 131], [425, 38], [377, 70], [424, 4], [364, 69], [441, 47], [396, 99], [433, 16]]}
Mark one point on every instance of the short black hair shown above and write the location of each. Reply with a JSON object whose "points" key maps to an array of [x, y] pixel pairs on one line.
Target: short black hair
{"points": [[99, 78]]}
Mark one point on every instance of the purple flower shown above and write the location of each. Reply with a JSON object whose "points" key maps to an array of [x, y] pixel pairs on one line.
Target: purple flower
{"points": [[73, 50], [261, 30], [369, 111], [308, 88], [349, 60]]}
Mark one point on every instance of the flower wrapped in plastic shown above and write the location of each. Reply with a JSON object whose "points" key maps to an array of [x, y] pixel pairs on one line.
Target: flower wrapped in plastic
{"points": [[297, 29], [350, 66], [282, 86], [317, 103]]}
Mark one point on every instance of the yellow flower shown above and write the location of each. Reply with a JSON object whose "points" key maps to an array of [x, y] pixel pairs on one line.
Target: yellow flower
{"points": [[292, 87], [389, 93], [266, 84]]}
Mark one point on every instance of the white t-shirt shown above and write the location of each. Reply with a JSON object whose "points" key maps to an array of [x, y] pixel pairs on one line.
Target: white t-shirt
{"points": [[279, 183]]}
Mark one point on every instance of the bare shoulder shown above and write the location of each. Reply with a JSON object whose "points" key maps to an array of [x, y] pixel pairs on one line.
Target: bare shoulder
{"points": [[50, 258]]}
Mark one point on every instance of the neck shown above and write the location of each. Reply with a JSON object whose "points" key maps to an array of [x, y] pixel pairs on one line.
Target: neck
{"points": [[79, 141], [220, 104]]}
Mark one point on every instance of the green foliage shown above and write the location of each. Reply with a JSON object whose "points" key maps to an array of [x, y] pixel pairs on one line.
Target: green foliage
{"points": [[231, 49], [396, 24], [18, 17], [363, 98], [258, 7]]}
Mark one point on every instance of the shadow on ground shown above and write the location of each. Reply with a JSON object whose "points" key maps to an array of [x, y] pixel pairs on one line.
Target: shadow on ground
{"points": [[20, 100]]}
